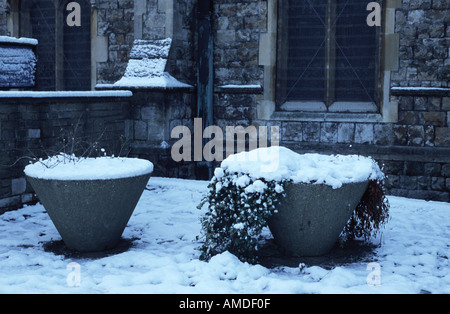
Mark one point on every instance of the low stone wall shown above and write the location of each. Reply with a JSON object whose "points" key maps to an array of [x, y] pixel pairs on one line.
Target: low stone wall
{"points": [[134, 124], [153, 115], [414, 152], [40, 124]]}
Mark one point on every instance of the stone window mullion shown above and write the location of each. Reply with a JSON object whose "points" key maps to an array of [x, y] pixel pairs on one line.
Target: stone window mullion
{"points": [[330, 53]]}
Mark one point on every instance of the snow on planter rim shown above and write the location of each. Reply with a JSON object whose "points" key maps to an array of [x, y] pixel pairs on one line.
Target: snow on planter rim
{"points": [[101, 168], [280, 163]]}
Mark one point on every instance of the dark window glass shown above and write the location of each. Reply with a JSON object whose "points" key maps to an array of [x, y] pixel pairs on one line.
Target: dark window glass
{"points": [[306, 55], [356, 51], [326, 52], [42, 27], [77, 51], [63, 52]]}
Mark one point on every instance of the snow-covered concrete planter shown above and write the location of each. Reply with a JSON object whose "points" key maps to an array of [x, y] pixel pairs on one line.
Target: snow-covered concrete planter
{"points": [[306, 200], [90, 200], [311, 217]]}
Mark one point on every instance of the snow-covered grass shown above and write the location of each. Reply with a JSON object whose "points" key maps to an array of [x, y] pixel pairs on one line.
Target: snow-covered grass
{"points": [[413, 256]]}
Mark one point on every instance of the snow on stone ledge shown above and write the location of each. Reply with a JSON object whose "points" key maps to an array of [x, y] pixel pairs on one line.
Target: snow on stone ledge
{"points": [[22, 40], [235, 86], [280, 163], [163, 81], [65, 168], [420, 91], [64, 94]]}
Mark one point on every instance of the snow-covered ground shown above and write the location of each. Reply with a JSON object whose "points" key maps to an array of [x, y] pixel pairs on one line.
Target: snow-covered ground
{"points": [[413, 256]]}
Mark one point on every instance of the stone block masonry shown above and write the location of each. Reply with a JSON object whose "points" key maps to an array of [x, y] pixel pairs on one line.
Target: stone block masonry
{"points": [[152, 116], [413, 152], [116, 23], [17, 62], [424, 40], [4, 8], [40, 126], [409, 134], [121, 22], [413, 144]]}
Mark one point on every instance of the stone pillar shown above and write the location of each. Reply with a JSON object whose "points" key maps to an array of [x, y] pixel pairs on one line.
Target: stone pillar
{"points": [[140, 8]]}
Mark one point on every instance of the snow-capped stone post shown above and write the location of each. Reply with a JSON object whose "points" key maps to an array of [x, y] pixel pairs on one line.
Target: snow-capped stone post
{"points": [[17, 62]]}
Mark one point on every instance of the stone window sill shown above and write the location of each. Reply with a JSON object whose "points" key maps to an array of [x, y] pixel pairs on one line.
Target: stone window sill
{"points": [[326, 117], [337, 112]]}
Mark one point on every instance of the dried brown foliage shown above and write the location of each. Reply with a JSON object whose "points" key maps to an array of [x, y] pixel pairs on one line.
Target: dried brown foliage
{"points": [[370, 215]]}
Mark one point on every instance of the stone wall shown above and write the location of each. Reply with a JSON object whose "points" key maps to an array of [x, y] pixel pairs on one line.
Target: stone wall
{"points": [[4, 11], [115, 23], [153, 115], [414, 150], [410, 139], [120, 22], [424, 31], [237, 26], [33, 126]]}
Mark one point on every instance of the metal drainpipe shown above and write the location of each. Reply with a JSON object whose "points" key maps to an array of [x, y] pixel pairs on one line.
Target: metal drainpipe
{"points": [[205, 82]]}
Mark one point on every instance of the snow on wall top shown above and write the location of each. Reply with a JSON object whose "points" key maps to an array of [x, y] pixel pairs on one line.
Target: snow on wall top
{"points": [[17, 62], [22, 40], [64, 94]]}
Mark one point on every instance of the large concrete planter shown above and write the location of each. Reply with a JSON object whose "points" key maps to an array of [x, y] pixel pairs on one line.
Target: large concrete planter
{"points": [[90, 215], [311, 217]]}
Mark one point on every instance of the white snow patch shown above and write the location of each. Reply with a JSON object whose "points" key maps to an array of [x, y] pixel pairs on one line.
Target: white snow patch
{"points": [[236, 86], [413, 254], [21, 40], [256, 187], [63, 167], [164, 81], [420, 88]]}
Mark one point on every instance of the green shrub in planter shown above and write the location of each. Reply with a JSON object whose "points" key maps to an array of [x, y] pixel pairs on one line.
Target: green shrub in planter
{"points": [[238, 210], [241, 198]]}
